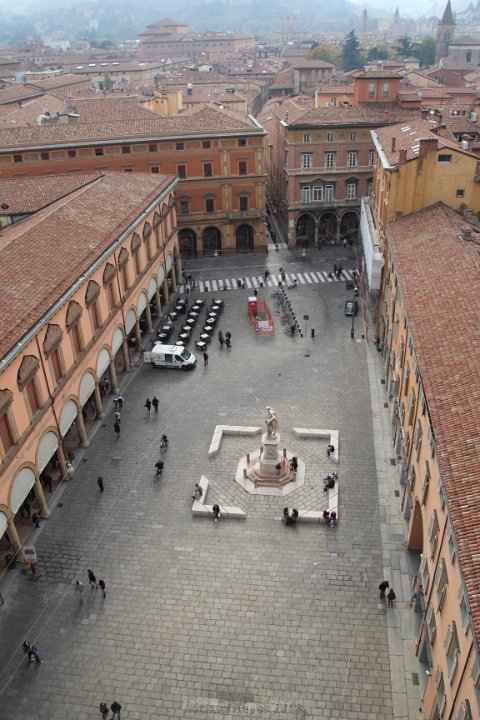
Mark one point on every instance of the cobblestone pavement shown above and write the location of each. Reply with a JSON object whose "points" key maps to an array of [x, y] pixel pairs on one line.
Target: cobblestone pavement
{"points": [[207, 619]]}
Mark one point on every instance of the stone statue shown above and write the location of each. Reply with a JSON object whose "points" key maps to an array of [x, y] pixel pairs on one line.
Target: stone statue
{"points": [[271, 422]]}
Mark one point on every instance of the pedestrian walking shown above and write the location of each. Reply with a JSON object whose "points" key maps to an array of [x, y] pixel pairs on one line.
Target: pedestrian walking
{"points": [[116, 427], [197, 493], [103, 707], [216, 512], [330, 449], [100, 483], [79, 588], [391, 597], [335, 270], [103, 588], [228, 339], [115, 707], [148, 405], [69, 469], [266, 275], [117, 415], [221, 339], [255, 292], [293, 330], [92, 579], [340, 271], [382, 587], [205, 358], [344, 242], [155, 404], [118, 400]]}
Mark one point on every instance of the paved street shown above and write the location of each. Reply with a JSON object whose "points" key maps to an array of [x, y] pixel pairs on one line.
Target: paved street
{"points": [[225, 619]]}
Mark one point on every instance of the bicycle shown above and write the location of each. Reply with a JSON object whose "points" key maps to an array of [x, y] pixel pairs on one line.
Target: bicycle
{"points": [[163, 444], [158, 470]]}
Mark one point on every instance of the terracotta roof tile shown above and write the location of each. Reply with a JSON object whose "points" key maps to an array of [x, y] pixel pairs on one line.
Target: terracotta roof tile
{"points": [[61, 242], [439, 277], [407, 137], [29, 194], [362, 114]]}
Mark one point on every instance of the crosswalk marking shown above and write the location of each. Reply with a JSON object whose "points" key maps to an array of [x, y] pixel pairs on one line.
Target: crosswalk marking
{"points": [[256, 281]]}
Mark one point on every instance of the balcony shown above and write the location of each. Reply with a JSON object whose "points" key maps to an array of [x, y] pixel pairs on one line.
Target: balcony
{"points": [[241, 214]]}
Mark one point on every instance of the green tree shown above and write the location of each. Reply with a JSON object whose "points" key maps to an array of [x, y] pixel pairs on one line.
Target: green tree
{"points": [[404, 47], [325, 52], [352, 56], [378, 52], [425, 51], [107, 82]]}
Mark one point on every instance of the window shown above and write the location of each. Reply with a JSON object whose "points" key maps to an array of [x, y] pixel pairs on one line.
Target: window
{"points": [[424, 573], [95, 314], [98, 151], [182, 171], [371, 90], [179, 146], [32, 396], [209, 205], [417, 438], [329, 193], [460, 193], [444, 158], [433, 530], [317, 192], [206, 144], [242, 142], [183, 207], [7, 438], [386, 90], [333, 101], [45, 156], [72, 153], [440, 684], [17, 158], [56, 365], [329, 159], [242, 167], [330, 137], [207, 170], [353, 136], [370, 188], [152, 147], [451, 648], [431, 624], [465, 712], [128, 169], [306, 160], [244, 204], [351, 190], [451, 543], [371, 158], [352, 158], [307, 138], [441, 582], [125, 150], [155, 169], [468, 56], [111, 295], [77, 341], [306, 194]]}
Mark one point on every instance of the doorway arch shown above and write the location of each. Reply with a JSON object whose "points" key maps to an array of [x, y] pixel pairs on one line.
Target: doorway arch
{"points": [[212, 241], [349, 225], [188, 243], [305, 229], [327, 228], [244, 238]]}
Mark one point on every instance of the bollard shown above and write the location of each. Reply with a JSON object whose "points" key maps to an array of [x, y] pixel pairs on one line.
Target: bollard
{"points": [[244, 473], [248, 458]]}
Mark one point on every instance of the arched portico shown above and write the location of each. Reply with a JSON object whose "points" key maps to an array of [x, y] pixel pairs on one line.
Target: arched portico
{"points": [[244, 238], [305, 229], [328, 228], [212, 241], [349, 224], [188, 243]]}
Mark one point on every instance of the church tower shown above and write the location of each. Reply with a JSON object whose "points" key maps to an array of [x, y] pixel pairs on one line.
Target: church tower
{"points": [[445, 32]]}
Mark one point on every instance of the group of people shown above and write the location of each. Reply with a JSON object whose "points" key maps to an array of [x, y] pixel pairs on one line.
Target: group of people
{"points": [[94, 585], [31, 650], [152, 403], [290, 519], [198, 494], [115, 707], [329, 481], [227, 340], [390, 596], [330, 518], [118, 402]]}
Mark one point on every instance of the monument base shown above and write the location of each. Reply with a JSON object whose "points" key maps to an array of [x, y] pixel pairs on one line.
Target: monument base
{"points": [[251, 477]]}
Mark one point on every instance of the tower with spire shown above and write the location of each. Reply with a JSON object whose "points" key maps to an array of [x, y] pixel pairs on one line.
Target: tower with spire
{"points": [[445, 32]]}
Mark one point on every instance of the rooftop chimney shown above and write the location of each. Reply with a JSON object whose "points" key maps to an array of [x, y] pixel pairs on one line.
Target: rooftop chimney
{"points": [[394, 142], [402, 156], [427, 145]]}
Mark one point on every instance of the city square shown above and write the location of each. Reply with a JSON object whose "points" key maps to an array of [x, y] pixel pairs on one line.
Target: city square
{"points": [[239, 617]]}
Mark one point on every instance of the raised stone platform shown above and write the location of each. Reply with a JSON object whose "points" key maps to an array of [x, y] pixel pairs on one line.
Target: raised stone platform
{"points": [[279, 485]]}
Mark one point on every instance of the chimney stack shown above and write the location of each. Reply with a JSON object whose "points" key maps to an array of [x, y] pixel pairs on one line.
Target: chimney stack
{"points": [[394, 142], [402, 157], [427, 145]]}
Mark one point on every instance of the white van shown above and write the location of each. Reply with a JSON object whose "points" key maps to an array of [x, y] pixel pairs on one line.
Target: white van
{"points": [[172, 356]]}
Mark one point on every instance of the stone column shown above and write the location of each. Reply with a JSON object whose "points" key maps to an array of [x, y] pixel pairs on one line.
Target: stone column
{"points": [[113, 376], [138, 335], [178, 269], [174, 278], [148, 317], [44, 511], [158, 302], [15, 540], [81, 429], [98, 401], [61, 461], [165, 289], [126, 355], [316, 235]]}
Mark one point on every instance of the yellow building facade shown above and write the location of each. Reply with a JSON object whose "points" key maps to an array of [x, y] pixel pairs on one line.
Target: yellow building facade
{"points": [[106, 257]]}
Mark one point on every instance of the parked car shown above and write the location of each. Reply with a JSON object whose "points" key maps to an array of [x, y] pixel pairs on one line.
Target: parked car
{"points": [[351, 307]]}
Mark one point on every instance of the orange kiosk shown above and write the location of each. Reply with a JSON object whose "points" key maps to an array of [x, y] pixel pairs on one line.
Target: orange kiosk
{"points": [[260, 316]]}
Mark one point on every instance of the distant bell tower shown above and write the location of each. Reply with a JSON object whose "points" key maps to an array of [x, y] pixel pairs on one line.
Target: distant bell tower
{"points": [[445, 32]]}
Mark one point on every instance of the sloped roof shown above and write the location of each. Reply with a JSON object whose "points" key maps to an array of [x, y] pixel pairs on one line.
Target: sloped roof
{"points": [[428, 247], [61, 242], [29, 194]]}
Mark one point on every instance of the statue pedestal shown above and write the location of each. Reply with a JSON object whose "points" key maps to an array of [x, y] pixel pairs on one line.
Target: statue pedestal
{"points": [[269, 457]]}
